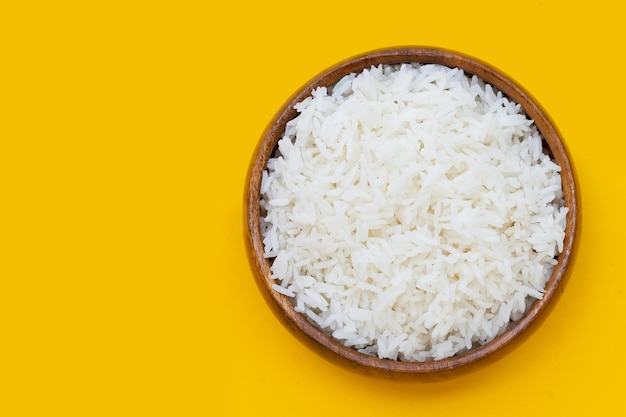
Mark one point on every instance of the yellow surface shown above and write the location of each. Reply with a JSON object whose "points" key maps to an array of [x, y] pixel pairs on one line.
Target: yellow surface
{"points": [[125, 131]]}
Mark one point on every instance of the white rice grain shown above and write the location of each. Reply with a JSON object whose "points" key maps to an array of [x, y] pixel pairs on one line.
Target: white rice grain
{"points": [[410, 211]]}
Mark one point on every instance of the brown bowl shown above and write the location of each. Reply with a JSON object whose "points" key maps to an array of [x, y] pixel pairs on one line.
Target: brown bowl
{"points": [[330, 348]]}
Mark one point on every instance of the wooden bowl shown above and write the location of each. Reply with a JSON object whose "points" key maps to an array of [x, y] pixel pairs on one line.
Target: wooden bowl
{"points": [[330, 348]]}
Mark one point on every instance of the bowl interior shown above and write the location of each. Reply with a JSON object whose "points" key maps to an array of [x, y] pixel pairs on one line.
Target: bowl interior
{"points": [[331, 348]]}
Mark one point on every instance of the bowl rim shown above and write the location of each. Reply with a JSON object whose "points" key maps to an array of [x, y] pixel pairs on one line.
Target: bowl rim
{"points": [[332, 349]]}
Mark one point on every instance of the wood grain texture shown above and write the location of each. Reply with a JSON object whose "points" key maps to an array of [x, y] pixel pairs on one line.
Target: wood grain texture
{"points": [[328, 347]]}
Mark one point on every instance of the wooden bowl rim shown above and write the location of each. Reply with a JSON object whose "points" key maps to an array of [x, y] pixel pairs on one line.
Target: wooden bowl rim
{"points": [[315, 338]]}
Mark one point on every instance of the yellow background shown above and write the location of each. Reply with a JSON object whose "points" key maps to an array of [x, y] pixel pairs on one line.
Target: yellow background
{"points": [[126, 130]]}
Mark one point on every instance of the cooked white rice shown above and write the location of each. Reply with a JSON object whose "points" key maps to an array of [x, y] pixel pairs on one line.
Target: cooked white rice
{"points": [[410, 211]]}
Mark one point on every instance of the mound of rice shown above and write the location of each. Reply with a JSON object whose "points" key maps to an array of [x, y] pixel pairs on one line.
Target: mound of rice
{"points": [[410, 211]]}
